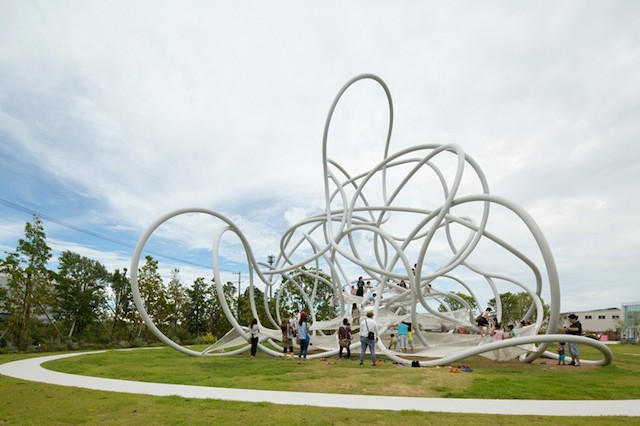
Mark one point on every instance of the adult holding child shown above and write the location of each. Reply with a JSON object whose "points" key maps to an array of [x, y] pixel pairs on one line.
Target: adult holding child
{"points": [[293, 325], [403, 335]]}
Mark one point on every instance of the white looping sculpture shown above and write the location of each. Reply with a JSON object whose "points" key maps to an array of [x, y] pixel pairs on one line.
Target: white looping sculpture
{"points": [[367, 226]]}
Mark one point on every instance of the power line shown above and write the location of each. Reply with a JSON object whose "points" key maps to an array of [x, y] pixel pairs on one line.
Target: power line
{"points": [[91, 233], [61, 222]]}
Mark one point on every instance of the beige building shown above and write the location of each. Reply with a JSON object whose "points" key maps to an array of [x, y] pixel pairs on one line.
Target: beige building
{"points": [[596, 321]]}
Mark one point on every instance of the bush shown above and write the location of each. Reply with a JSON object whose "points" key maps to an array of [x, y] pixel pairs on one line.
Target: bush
{"points": [[9, 348], [70, 344], [52, 345], [206, 339]]}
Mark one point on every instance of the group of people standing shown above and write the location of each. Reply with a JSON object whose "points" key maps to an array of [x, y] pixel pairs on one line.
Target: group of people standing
{"points": [[296, 327], [497, 333], [404, 340], [368, 336]]}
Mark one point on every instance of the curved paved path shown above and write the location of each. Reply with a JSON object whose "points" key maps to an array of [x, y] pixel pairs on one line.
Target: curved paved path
{"points": [[31, 369]]}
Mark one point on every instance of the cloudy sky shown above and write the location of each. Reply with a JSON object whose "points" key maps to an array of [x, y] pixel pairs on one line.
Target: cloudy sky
{"points": [[115, 113]]}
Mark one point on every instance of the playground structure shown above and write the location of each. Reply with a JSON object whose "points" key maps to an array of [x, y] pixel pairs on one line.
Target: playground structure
{"points": [[375, 222]]}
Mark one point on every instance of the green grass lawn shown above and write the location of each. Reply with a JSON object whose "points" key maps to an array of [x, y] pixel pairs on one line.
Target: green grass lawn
{"points": [[33, 403]]}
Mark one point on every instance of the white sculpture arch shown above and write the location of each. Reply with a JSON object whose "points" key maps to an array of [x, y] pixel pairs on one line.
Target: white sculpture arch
{"points": [[354, 213]]}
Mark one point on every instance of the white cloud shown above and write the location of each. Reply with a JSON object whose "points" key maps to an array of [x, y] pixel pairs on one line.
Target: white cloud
{"points": [[222, 107]]}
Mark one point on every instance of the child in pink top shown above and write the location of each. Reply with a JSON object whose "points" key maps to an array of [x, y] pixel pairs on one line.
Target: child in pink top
{"points": [[496, 335]]}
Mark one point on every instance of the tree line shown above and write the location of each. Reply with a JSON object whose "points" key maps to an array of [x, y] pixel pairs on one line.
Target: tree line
{"points": [[83, 305], [514, 306]]}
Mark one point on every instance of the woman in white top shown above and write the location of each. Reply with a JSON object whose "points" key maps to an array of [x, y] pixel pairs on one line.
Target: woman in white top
{"points": [[254, 329]]}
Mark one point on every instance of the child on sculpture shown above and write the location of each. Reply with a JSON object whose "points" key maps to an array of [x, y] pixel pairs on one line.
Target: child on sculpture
{"points": [[360, 287], [393, 343], [510, 332], [483, 321], [497, 335]]}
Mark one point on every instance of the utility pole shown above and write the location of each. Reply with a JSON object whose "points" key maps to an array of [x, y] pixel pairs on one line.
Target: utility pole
{"points": [[239, 273], [270, 259]]}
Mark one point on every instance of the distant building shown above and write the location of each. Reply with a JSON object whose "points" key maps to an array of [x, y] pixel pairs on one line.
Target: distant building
{"points": [[596, 321], [631, 317]]}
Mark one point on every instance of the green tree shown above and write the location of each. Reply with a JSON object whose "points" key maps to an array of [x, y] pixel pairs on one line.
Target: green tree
{"points": [[317, 285], [455, 304], [219, 324], [245, 307], [29, 281], [121, 304], [79, 292], [152, 292], [198, 300], [176, 301], [515, 306]]}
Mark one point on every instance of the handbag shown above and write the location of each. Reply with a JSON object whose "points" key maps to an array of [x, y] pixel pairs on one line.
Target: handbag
{"points": [[371, 335], [344, 343]]}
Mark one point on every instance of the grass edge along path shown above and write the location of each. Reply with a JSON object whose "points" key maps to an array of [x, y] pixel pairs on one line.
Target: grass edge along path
{"points": [[543, 379], [34, 403], [31, 369]]}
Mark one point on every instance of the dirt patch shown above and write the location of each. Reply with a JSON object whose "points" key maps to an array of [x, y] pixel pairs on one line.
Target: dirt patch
{"points": [[396, 381]]}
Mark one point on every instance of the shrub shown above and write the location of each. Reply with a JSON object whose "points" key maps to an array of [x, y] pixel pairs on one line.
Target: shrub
{"points": [[206, 339], [9, 348]]}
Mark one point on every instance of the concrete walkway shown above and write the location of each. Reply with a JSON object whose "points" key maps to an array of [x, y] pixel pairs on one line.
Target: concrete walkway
{"points": [[31, 369]]}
